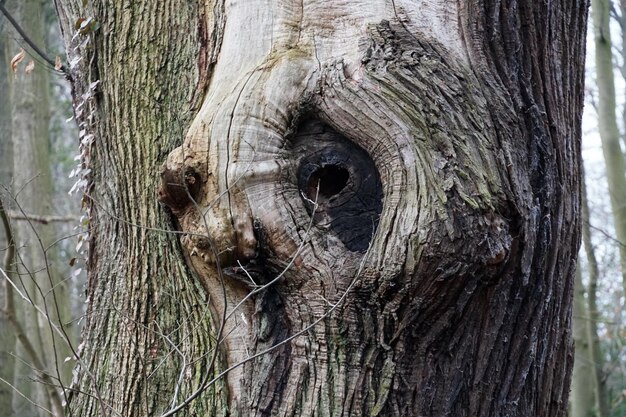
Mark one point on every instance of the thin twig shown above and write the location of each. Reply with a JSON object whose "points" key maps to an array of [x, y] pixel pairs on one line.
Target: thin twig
{"points": [[43, 219], [9, 310], [59, 329], [14, 388], [607, 235], [55, 304], [30, 42]]}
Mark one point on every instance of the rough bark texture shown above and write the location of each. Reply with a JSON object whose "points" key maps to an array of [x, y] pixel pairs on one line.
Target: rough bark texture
{"points": [[380, 200], [145, 308]]}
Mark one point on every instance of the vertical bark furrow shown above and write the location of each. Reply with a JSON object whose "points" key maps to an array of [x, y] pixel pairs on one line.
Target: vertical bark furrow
{"points": [[547, 97]]}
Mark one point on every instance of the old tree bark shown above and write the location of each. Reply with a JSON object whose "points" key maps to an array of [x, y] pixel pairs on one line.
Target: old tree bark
{"points": [[377, 205]]}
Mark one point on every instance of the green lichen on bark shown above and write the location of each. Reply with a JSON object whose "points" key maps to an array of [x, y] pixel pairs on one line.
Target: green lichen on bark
{"points": [[148, 332]]}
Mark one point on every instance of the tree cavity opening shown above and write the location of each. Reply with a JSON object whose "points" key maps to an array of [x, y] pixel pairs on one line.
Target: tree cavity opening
{"points": [[327, 182], [338, 182]]}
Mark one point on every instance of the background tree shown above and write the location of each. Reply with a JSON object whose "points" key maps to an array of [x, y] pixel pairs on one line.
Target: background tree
{"points": [[7, 342], [604, 309], [607, 123], [379, 206], [589, 396], [582, 395], [36, 366]]}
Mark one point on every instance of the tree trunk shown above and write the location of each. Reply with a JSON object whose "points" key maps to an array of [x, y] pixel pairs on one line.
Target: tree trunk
{"points": [[607, 125], [621, 20], [43, 352], [582, 397], [589, 398], [379, 205], [600, 394], [7, 341], [148, 336]]}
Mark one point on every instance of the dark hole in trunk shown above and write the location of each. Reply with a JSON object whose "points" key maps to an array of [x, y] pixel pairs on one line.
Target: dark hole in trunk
{"points": [[338, 182], [330, 180]]}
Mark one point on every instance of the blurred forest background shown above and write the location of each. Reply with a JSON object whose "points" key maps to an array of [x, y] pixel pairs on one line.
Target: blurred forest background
{"points": [[42, 279], [40, 290]]}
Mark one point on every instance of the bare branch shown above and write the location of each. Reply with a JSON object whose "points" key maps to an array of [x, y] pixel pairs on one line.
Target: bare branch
{"points": [[30, 42], [54, 327], [43, 219], [14, 388], [9, 312]]}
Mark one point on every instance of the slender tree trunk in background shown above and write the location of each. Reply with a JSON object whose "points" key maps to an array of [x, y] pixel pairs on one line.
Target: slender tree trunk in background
{"points": [[6, 145], [404, 179], [33, 188], [582, 397], [607, 125], [589, 397], [63, 151], [23, 117], [621, 18], [7, 341], [600, 393]]}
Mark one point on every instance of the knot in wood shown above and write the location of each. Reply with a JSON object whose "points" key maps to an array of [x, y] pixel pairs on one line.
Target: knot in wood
{"points": [[179, 189]]}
